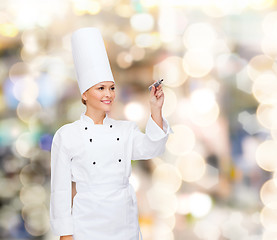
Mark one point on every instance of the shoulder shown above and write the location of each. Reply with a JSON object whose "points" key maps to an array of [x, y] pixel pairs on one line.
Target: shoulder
{"points": [[65, 132]]}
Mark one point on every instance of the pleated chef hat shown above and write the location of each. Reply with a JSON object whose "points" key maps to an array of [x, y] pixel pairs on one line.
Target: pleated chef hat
{"points": [[90, 58]]}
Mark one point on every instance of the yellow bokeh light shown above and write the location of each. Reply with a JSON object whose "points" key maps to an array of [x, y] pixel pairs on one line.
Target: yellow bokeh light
{"points": [[170, 221], [137, 53], [202, 100], [182, 141], [198, 62], [145, 40], [266, 155], [26, 111], [30, 195], [171, 69], [165, 204], [214, 10], [270, 24], [124, 59], [8, 30], [167, 178], [36, 220], [124, 10], [268, 194], [204, 110], [162, 231], [265, 88], [261, 4], [268, 218], [200, 204], [142, 22], [134, 111], [207, 118], [170, 102], [269, 46], [192, 166], [267, 115], [259, 65], [24, 144], [82, 7], [19, 70], [149, 3], [195, 33], [29, 175]]}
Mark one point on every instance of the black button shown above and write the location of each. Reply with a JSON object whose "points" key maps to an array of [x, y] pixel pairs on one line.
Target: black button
{"points": [[86, 128], [90, 140], [119, 160], [111, 126], [94, 162], [117, 139]]}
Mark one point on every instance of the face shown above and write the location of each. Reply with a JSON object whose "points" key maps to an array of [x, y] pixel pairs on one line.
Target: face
{"points": [[100, 97]]}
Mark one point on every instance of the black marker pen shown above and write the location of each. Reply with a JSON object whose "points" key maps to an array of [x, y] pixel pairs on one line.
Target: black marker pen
{"points": [[156, 84]]}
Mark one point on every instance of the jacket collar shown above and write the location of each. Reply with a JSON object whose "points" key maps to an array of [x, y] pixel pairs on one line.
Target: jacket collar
{"points": [[86, 118]]}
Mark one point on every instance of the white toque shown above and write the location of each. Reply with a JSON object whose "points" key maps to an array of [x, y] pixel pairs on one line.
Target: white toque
{"points": [[90, 58]]}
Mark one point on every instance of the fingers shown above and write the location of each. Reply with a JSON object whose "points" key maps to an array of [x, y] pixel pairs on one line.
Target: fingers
{"points": [[159, 92]]}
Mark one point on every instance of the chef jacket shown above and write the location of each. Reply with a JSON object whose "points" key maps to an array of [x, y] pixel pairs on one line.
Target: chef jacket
{"points": [[98, 158]]}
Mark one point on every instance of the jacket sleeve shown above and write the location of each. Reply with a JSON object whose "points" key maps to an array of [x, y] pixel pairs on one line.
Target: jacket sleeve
{"points": [[151, 143], [61, 221]]}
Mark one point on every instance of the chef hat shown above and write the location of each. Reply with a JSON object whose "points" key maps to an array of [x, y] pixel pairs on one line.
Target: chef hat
{"points": [[90, 58]]}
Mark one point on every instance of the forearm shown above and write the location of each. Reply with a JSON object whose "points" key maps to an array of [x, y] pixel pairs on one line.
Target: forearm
{"points": [[156, 114]]}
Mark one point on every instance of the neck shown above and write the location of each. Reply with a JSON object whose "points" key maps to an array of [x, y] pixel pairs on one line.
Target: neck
{"points": [[97, 116]]}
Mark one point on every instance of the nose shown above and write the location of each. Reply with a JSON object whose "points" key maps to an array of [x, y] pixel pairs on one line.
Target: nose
{"points": [[108, 93]]}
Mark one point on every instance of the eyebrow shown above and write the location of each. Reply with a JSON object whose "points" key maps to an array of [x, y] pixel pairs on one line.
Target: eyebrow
{"points": [[106, 85]]}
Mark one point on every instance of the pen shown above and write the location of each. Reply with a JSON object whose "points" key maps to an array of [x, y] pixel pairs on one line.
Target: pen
{"points": [[156, 84]]}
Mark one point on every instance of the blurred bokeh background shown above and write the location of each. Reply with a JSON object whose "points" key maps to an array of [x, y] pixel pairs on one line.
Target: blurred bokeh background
{"points": [[217, 178]]}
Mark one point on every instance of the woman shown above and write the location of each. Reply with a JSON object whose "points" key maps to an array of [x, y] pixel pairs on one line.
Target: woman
{"points": [[95, 153]]}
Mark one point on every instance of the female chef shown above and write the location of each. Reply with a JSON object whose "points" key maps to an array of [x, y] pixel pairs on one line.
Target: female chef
{"points": [[94, 153]]}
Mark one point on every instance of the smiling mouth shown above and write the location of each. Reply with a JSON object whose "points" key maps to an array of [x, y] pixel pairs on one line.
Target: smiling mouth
{"points": [[107, 101]]}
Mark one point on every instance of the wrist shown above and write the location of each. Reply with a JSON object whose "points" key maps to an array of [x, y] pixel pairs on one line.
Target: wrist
{"points": [[156, 110]]}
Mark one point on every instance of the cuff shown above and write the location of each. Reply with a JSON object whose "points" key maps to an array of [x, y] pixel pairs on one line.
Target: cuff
{"points": [[62, 227], [154, 132]]}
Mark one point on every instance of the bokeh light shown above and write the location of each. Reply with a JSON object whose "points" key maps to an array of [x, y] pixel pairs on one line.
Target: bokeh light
{"points": [[267, 114], [194, 35], [259, 65], [134, 111], [182, 141], [198, 63], [265, 88], [171, 70], [191, 166], [269, 194], [167, 178], [265, 155]]}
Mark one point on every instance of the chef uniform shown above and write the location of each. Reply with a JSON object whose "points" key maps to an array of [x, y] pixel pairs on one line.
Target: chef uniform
{"points": [[98, 158]]}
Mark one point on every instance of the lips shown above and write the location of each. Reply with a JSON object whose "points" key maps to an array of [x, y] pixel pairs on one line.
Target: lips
{"points": [[106, 101]]}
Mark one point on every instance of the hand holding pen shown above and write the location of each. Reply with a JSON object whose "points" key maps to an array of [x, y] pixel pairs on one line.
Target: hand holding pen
{"points": [[156, 95]]}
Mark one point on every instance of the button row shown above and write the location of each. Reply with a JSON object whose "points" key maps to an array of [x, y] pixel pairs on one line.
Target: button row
{"points": [[87, 128], [95, 162], [91, 139]]}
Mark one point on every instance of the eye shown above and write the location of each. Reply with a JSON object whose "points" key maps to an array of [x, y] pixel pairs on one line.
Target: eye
{"points": [[101, 88], [113, 88]]}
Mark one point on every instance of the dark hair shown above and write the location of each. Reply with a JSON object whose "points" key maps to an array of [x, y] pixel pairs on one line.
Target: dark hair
{"points": [[84, 101]]}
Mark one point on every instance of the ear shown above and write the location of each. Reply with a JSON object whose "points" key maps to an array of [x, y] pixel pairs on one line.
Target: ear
{"points": [[84, 95]]}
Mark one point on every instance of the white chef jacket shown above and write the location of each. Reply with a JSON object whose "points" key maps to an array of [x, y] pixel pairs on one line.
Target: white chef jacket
{"points": [[98, 158]]}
